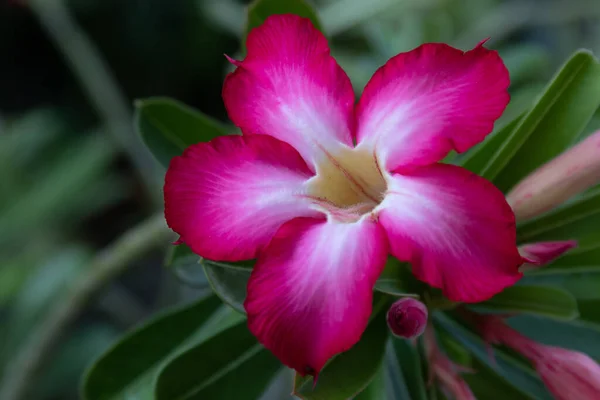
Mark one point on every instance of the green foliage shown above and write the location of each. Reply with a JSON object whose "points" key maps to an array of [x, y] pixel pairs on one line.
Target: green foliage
{"points": [[129, 368], [405, 367], [542, 300], [168, 127], [552, 124], [207, 370]]}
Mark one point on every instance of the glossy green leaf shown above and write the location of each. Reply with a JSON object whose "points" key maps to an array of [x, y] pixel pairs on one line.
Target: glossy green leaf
{"points": [[553, 123], [517, 374], [488, 385], [578, 257], [230, 365], [168, 127], [543, 300], [408, 368], [397, 387], [228, 281], [575, 335], [259, 10], [477, 158], [186, 267], [397, 280], [589, 311], [582, 282], [376, 389], [578, 219], [350, 372], [127, 369]]}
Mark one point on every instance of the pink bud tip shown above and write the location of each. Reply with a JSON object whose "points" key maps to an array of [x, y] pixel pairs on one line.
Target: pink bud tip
{"points": [[542, 253], [407, 318]]}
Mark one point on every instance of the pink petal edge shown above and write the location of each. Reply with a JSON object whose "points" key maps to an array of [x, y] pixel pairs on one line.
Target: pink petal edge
{"points": [[291, 88], [310, 293], [428, 101], [456, 230], [226, 198]]}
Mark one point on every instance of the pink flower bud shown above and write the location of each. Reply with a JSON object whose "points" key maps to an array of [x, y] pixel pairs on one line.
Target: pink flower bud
{"points": [[445, 372], [567, 374], [558, 180], [407, 318], [542, 253]]}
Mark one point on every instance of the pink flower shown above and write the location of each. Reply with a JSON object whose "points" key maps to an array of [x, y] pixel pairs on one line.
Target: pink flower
{"points": [[407, 318], [567, 374], [321, 190]]}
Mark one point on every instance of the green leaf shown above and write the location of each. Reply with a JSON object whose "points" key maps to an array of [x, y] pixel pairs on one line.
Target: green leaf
{"points": [[488, 385], [228, 281], [578, 219], [578, 257], [575, 335], [582, 282], [543, 300], [376, 389], [408, 368], [518, 375], [260, 10], [350, 372], [186, 267], [397, 387], [231, 365], [128, 368], [561, 112], [477, 158], [168, 127], [397, 280]]}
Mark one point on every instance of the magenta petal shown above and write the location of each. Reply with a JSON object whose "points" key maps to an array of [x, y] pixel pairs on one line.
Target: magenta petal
{"points": [[309, 295], [227, 198], [428, 101], [455, 228], [290, 87]]}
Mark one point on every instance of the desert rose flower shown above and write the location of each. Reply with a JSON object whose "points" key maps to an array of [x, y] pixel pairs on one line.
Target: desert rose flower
{"points": [[320, 190], [407, 318], [567, 374]]}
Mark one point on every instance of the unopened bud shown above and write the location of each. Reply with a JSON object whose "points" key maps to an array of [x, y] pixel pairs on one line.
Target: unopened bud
{"points": [[542, 253], [407, 318], [558, 180]]}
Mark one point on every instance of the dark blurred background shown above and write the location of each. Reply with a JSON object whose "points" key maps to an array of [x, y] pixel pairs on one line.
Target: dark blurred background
{"points": [[74, 176]]}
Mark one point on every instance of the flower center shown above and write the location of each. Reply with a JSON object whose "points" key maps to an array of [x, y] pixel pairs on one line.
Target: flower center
{"points": [[348, 184]]}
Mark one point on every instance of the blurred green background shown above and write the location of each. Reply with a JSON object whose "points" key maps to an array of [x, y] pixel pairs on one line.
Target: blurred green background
{"points": [[74, 176]]}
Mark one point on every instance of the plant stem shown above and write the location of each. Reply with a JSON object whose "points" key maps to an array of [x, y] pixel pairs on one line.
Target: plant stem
{"points": [[105, 266], [98, 83]]}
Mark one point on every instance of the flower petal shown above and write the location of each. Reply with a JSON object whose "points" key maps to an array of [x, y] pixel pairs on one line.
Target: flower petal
{"points": [[309, 296], [435, 98], [227, 198], [291, 88], [455, 228]]}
